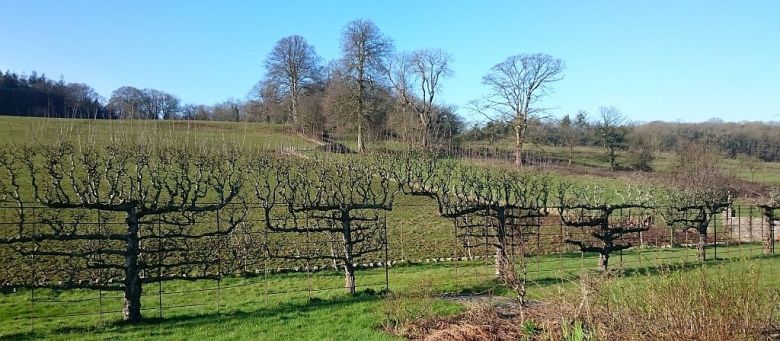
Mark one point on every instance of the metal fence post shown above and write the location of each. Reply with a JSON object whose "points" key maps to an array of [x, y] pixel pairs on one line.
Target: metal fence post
{"points": [[219, 267], [715, 220], [34, 280], [159, 266], [387, 270]]}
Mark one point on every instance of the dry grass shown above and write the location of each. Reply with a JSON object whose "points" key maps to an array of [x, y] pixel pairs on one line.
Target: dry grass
{"points": [[699, 304], [478, 323], [731, 301]]}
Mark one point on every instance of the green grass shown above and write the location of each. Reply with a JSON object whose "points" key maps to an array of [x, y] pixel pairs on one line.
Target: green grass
{"points": [[767, 173], [278, 306], [21, 130]]}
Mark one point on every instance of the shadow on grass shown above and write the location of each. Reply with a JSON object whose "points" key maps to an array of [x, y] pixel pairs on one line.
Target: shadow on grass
{"points": [[648, 270], [282, 310], [185, 321]]}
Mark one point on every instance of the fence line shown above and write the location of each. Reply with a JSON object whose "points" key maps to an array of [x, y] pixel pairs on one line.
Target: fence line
{"points": [[548, 258]]}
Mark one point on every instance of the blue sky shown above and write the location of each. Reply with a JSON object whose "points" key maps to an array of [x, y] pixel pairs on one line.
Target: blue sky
{"points": [[669, 60]]}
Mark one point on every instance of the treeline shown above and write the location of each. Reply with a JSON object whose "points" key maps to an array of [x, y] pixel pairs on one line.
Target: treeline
{"points": [[36, 95], [759, 140]]}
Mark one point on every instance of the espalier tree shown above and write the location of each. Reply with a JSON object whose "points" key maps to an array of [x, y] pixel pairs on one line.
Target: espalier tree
{"points": [[692, 205], [114, 218], [604, 217], [335, 204], [500, 208]]}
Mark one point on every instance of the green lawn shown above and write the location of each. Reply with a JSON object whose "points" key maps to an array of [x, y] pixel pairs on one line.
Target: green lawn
{"points": [[277, 306]]}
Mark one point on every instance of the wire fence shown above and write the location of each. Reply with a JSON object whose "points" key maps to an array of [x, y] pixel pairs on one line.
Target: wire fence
{"points": [[245, 269]]}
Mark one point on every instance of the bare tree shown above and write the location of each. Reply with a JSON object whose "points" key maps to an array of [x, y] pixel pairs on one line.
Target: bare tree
{"points": [[120, 214], [613, 134], [416, 77], [496, 209], [568, 135], [341, 103], [695, 210], [605, 224], [516, 85], [336, 203], [699, 190], [364, 50], [291, 66], [132, 103]]}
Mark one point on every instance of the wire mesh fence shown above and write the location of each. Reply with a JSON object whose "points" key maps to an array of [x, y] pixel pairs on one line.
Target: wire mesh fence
{"points": [[69, 282]]}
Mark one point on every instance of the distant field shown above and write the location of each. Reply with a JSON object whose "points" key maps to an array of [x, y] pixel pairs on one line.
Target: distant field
{"points": [[593, 157], [261, 136]]}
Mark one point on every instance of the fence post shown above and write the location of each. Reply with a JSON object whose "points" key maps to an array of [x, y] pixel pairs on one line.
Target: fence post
{"points": [[219, 267], [387, 270], [715, 228], [306, 249], [265, 261], [100, 290], [739, 229], [159, 266], [34, 280]]}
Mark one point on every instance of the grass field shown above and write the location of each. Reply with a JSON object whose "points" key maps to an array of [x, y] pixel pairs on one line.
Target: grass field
{"points": [[277, 306], [767, 173], [20, 130], [314, 306]]}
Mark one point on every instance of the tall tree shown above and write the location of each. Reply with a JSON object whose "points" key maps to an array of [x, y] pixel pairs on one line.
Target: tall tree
{"points": [[125, 102], [133, 103], [416, 77], [364, 50], [568, 135], [612, 132], [291, 66], [516, 85]]}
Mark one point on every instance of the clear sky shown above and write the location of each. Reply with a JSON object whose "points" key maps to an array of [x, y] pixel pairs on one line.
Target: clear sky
{"points": [[670, 60]]}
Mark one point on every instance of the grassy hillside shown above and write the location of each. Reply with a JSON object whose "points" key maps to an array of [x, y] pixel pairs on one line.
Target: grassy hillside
{"points": [[595, 158], [251, 135]]}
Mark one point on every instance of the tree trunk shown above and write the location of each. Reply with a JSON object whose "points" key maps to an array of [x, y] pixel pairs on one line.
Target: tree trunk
{"points": [[500, 262], [518, 145], [603, 261], [132, 283], [360, 144], [571, 153], [349, 277], [701, 251], [769, 236], [612, 158], [426, 127], [500, 238], [349, 269], [294, 104], [361, 106]]}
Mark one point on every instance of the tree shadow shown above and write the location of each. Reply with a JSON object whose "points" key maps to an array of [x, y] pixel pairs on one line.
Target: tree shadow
{"points": [[193, 320]]}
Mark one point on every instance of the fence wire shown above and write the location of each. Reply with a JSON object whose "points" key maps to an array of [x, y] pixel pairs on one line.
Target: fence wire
{"points": [[458, 261]]}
